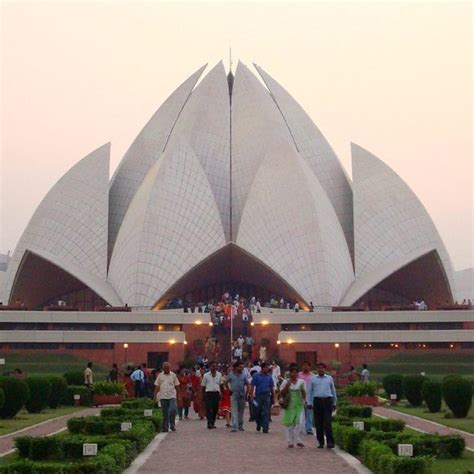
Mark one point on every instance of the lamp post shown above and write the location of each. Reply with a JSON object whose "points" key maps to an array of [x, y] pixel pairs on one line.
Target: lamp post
{"points": [[125, 346]]}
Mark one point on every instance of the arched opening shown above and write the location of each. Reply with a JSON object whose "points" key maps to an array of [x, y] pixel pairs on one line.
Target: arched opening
{"points": [[423, 278], [39, 282], [230, 269]]}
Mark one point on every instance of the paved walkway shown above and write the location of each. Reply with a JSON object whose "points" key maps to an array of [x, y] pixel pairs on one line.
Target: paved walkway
{"points": [[195, 449], [45, 428], [425, 425]]}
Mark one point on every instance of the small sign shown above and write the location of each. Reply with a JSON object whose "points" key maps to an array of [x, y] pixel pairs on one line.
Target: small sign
{"points": [[405, 450], [2, 361], [89, 449], [422, 374], [359, 425], [147, 412], [77, 397], [393, 396], [126, 426]]}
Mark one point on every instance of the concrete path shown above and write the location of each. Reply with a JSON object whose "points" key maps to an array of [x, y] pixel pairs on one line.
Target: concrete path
{"points": [[195, 449], [45, 428], [426, 426]]}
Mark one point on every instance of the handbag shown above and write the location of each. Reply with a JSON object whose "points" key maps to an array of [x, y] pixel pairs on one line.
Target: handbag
{"points": [[284, 400]]}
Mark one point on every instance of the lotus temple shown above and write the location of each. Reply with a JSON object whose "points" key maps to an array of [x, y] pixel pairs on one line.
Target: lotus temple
{"points": [[231, 188]]}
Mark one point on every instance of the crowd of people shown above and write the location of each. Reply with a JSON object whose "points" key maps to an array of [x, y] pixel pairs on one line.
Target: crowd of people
{"points": [[214, 391]]}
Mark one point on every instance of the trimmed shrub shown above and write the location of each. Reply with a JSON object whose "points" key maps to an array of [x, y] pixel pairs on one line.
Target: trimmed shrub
{"points": [[393, 384], [136, 403], [40, 390], [354, 411], [72, 445], [359, 389], [381, 460], [84, 392], [457, 393], [348, 438], [58, 390], [118, 453], [16, 393], [93, 425], [38, 448], [109, 388], [432, 395], [74, 377], [412, 385]]}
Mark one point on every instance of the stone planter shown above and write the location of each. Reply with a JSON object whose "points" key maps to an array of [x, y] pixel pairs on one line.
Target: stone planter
{"points": [[365, 400], [107, 399]]}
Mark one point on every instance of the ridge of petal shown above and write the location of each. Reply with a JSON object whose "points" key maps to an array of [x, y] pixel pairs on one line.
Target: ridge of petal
{"points": [[144, 152], [172, 224], [318, 153]]}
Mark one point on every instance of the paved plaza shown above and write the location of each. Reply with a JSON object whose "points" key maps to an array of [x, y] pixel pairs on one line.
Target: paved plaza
{"points": [[195, 449]]}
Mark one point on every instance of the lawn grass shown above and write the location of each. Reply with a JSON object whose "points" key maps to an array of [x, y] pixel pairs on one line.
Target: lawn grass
{"points": [[465, 424], [8, 458], [25, 419], [49, 364], [461, 465]]}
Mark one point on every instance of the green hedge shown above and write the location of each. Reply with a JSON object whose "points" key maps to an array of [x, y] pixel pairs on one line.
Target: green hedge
{"points": [[58, 390], [16, 394], [40, 391], [353, 411], [109, 388], [457, 393], [379, 424], [359, 389], [135, 414], [412, 385], [136, 403], [84, 392], [350, 439], [380, 459], [432, 395], [74, 377], [393, 384], [93, 425]]}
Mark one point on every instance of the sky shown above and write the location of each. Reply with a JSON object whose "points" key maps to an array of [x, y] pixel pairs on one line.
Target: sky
{"points": [[395, 78]]}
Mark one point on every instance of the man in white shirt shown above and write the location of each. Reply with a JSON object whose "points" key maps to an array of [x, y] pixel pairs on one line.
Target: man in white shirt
{"points": [[365, 374], [241, 341], [212, 386], [165, 391]]}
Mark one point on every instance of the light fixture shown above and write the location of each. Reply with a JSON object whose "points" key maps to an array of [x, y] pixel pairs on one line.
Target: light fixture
{"points": [[172, 341], [198, 322], [336, 345], [252, 324], [210, 324], [264, 322], [290, 341], [125, 346], [396, 345], [185, 343], [451, 346], [278, 342]]}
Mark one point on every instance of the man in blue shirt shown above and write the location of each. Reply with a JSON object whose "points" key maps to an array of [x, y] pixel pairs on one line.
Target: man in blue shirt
{"points": [[138, 378], [264, 390], [321, 396]]}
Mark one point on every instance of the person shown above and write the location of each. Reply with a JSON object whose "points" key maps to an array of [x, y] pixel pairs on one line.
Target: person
{"points": [[88, 376], [212, 386], [276, 373], [259, 306], [198, 401], [147, 383], [239, 388], [237, 353], [311, 307], [297, 307], [263, 393], [224, 402], [306, 375], [184, 395], [321, 397], [365, 374], [114, 373], [128, 382], [165, 392], [293, 414], [240, 341], [138, 379], [352, 375], [263, 353]]}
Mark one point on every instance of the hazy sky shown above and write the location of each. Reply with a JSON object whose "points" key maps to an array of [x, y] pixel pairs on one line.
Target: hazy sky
{"points": [[396, 78]]}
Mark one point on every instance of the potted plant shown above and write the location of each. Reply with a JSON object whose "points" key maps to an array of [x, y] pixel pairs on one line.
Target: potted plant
{"points": [[108, 393], [363, 393]]}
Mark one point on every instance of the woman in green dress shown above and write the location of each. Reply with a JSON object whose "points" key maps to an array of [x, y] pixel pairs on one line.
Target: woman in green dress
{"points": [[293, 414]]}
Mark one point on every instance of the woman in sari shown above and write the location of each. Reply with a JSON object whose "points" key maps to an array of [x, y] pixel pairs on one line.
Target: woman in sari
{"points": [[224, 403], [293, 415], [183, 394], [198, 401]]}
